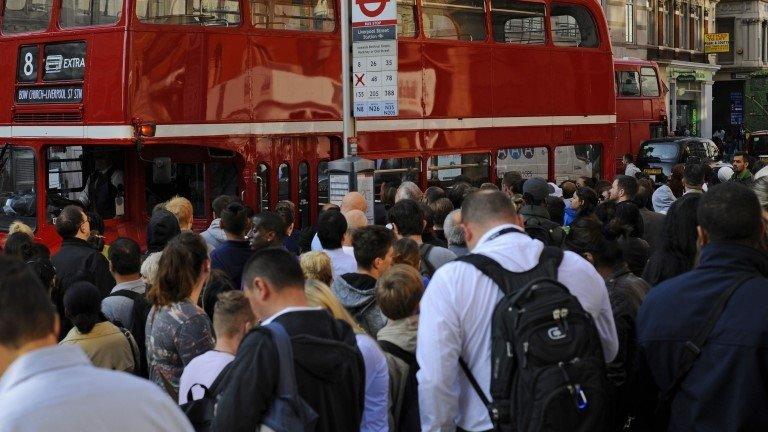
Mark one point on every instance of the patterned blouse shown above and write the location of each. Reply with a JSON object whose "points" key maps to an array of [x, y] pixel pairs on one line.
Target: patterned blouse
{"points": [[175, 335]]}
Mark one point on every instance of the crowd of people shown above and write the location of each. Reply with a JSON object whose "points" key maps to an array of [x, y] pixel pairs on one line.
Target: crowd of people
{"points": [[415, 320]]}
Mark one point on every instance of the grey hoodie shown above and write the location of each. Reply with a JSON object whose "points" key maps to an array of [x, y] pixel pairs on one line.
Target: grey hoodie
{"points": [[355, 292], [214, 236]]}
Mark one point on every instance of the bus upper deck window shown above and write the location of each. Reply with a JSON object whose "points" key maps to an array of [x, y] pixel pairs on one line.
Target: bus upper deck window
{"points": [[82, 13], [454, 19], [223, 13], [518, 22], [573, 26], [25, 16], [406, 18], [649, 82], [297, 15]]}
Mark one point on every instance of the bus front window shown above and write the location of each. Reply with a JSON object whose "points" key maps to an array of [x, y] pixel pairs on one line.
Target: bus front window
{"points": [[18, 200], [26, 16]]}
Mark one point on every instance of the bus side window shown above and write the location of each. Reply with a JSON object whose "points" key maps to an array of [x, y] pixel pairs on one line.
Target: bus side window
{"points": [[518, 22], [573, 26], [303, 206], [649, 82], [454, 19], [444, 170], [284, 182], [528, 161], [572, 162], [406, 18], [263, 186], [298, 15], [628, 83], [323, 184]]}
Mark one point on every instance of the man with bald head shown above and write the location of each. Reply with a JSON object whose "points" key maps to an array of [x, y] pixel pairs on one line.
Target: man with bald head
{"points": [[353, 201], [456, 312]]}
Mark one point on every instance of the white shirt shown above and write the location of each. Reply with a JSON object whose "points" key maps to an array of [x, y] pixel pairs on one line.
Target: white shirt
{"points": [[341, 262], [203, 369], [57, 388], [455, 321], [376, 412], [631, 170], [289, 310]]}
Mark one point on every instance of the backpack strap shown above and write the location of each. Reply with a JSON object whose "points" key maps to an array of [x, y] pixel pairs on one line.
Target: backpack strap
{"points": [[398, 352], [133, 295], [134, 350], [692, 348], [286, 382], [489, 267], [549, 262], [424, 250]]}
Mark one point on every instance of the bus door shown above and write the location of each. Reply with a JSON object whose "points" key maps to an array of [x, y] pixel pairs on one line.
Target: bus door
{"points": [[197, 173]]}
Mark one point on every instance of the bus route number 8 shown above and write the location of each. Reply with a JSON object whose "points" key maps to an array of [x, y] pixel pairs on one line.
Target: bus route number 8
{"points": [[29, 66]]}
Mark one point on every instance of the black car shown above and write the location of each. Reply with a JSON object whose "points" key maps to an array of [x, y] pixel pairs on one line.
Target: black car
{"points": [[660, 155], [757, 145]]}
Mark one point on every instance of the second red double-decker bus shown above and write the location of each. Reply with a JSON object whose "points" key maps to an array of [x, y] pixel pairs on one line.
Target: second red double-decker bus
{"points": [[641, 112], [122, 104]]}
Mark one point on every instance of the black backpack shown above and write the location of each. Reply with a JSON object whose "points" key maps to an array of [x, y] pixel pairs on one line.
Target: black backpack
{"points": [[548, 370], [548, 232], [140, 311], [406, 408], [425, 268]]}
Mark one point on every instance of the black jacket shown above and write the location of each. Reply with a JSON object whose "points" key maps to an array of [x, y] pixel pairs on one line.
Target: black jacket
{"points": [[626, 292], [329, 372], [78, 261], [726, 388]]}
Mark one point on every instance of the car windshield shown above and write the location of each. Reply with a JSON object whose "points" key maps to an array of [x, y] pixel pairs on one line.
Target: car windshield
{"points": [[660, 151], [17, 186]]}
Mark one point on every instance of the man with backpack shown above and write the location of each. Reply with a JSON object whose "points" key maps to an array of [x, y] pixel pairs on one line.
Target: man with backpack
{"points": [[407, 220], [538, 223], [464, 308], [126, 306], [326, 391]]}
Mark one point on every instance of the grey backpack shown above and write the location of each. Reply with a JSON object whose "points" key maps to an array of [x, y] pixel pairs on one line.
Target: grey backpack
{"points": [[289, 412]]}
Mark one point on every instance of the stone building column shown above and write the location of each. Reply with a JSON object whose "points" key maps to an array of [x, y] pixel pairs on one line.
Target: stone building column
{"points": [[705, 109]]}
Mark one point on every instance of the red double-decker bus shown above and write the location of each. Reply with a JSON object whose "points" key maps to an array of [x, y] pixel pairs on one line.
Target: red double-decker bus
{"points": [[641, 112], [146, 99]]}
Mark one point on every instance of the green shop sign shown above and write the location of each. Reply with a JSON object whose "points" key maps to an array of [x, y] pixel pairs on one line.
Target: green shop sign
{"points": [[689, 75]]}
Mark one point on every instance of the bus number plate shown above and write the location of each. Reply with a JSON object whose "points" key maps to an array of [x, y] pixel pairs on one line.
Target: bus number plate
{"points": [[49, 94]]}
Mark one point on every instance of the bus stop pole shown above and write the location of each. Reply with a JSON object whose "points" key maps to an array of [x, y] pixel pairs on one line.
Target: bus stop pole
{"points": [[346, 79]]}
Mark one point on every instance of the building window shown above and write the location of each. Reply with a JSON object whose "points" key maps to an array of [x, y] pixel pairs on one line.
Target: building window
{"points": [[518, 22], [696, 33], [629, 28], [725, 25], [764, 43], [669, 25], [651, 25], [684, 26]]}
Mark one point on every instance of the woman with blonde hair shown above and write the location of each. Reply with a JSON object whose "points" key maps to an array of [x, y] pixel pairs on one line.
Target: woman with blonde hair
{"points": [[376, 412], [317, 265]]}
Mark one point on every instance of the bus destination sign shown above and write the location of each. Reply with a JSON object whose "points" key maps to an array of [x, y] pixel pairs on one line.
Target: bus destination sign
{"points": [[49, 94]]}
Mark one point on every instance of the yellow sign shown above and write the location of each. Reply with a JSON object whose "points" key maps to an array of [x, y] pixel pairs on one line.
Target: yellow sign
{"points": [[717, 43]]}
